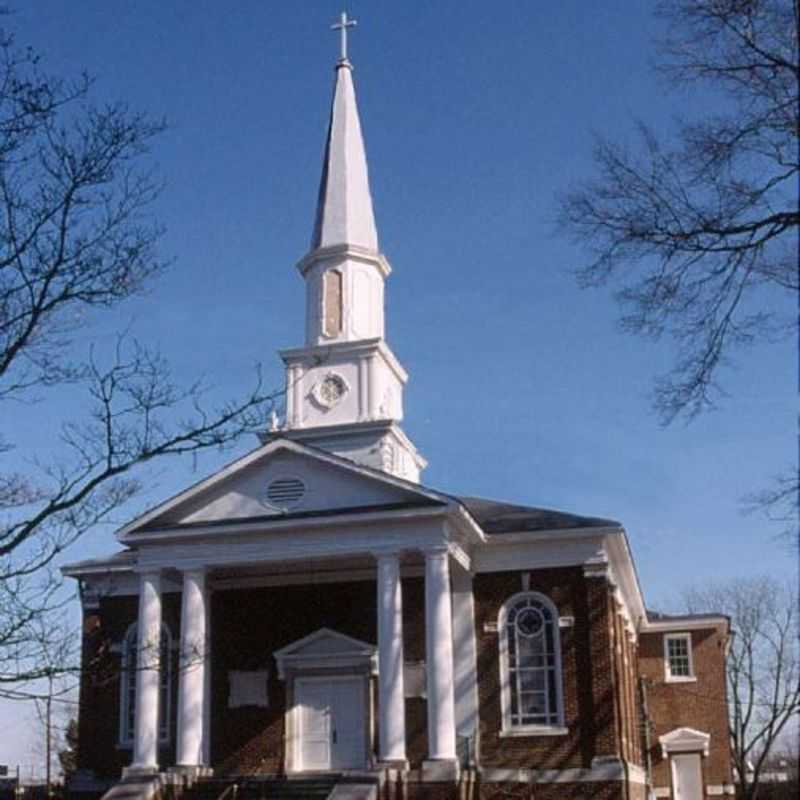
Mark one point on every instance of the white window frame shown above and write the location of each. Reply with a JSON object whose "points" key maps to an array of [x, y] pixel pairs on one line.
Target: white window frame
{"points": [[127, 688], [509, 729], [668, 676]]}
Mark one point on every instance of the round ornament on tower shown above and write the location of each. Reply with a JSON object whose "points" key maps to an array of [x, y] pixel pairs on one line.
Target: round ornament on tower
{"points": [[330, 391]]}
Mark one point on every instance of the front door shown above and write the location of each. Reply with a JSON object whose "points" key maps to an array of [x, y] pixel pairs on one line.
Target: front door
{"points": [[687, 777], [331, 723]]}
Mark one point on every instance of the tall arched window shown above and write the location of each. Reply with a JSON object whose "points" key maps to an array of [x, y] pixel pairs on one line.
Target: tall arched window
{"points": [[530, 665], [127, 693]]}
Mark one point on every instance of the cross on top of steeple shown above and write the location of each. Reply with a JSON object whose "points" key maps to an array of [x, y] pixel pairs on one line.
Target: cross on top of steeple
{"points": [[342, 25]]}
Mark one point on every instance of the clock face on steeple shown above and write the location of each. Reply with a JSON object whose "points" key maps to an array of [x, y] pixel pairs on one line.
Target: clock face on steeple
{"points": [[330, 390]]}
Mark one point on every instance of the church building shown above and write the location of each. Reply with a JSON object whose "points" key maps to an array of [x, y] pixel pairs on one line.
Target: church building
{"points": [[315, 619]]}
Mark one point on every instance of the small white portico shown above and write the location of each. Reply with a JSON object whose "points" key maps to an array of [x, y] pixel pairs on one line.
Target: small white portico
{"points": [[211, 534]]}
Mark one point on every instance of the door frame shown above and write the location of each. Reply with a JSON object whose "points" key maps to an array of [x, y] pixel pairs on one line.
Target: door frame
{"points": [[676, 760], [294, 728]]}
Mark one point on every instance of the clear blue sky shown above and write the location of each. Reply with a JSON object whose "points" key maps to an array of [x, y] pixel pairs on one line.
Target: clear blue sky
{"points": [[475, 116]]}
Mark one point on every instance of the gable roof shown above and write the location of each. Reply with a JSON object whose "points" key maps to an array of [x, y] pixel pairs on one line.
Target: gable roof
{"points": [[497, 517], [409, 494]]}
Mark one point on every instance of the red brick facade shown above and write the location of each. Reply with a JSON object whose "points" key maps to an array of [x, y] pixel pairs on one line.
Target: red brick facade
{"points": [[700, 704], [601, 670]]}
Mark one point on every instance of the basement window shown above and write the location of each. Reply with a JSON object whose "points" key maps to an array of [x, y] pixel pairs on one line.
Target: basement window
{"points": [[678, 657]]}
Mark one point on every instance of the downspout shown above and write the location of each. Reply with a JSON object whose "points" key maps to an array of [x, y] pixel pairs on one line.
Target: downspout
{"points": [[648, 762]]}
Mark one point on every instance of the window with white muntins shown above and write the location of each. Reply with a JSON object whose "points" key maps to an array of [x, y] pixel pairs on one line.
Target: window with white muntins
{"points": [[530, 667], [127, 692], [678, 657]]}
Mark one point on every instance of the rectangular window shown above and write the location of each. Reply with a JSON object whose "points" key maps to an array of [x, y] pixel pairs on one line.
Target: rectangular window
{"points": [[332, 303], [678, 657]]}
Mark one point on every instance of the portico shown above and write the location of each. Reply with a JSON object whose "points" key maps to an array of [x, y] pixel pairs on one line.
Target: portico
{"points": [[332, 681]]}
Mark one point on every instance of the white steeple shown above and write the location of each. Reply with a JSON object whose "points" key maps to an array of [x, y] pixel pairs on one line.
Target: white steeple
{"points": [[344, 208], [344, 388]]}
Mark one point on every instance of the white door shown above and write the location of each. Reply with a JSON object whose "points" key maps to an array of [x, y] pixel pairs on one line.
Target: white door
{"points": [[331, 723], [687, 777]]}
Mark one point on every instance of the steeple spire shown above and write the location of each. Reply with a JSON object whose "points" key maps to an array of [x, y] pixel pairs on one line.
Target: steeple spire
{"points": [[344, 387], [344, 206]]}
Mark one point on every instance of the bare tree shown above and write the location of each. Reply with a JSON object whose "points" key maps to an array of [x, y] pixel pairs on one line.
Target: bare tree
{"points": [[763, 669], [702, 231], [76, 236]]}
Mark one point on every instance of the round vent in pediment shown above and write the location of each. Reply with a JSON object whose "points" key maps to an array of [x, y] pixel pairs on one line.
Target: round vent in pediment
{"points": [[285, 492]]}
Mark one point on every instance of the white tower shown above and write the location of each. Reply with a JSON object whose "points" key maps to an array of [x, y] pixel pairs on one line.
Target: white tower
{"points": [[344, 388]]}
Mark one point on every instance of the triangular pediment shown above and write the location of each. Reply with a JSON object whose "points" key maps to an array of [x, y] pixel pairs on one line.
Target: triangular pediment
{"points": [[684, 740], [325, 648], [280, 480]]}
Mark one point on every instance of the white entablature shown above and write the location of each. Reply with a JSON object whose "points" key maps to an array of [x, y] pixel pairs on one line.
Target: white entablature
{"points": [[344, 387]]}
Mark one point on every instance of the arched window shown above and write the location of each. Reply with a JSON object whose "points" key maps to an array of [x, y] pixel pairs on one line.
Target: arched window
{"points": [[127, 695], [530, 665]]}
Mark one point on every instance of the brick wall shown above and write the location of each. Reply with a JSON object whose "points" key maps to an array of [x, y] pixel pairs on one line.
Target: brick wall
{"points": [[104, 629], [700, 704], [249, 625], [587, 671]]}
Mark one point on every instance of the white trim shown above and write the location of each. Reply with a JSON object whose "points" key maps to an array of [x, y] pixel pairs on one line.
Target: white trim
{"points": [[263, 452], [668, 676], [500, 539], [314, 354], [533, 730], [300, 545], [684, 740], [613, 771], [278, 524], [344, 251], [465, 654], [538, 554], [294, 714], [680, 625], [507, 728], [717, 789], [358, 653]]}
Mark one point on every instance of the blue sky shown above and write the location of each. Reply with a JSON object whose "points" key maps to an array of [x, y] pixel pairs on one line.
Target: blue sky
{"points": [[475, 117]]}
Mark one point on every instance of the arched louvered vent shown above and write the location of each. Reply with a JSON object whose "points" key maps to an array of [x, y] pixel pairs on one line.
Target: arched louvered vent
{"points": [[285, 492]]}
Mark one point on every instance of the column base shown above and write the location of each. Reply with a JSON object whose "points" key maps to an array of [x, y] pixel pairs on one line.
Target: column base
{"points": [[139, 771], [400, 764], [189, 773], [440, 770]]}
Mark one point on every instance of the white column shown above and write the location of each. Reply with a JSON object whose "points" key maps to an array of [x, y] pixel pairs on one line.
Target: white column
{"points": [[148, 673], [391, 694], [439, 657], [465, 653], [192, 674]]}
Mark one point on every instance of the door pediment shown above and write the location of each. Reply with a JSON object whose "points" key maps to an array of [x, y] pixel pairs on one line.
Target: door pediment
{"points": [[684, 740], [326, 648]]}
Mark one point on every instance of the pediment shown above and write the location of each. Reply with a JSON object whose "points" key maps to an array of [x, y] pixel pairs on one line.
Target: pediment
{"points": [[326, 648], [279, 480], [684, 740]]}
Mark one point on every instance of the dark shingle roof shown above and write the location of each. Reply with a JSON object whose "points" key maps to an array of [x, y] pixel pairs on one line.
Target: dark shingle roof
{"points": [[498, 517]]}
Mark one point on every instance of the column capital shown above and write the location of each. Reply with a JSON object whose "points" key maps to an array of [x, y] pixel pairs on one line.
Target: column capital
{"points": [[436, 551], [148, 573], [195, 572], [387, 552]]}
